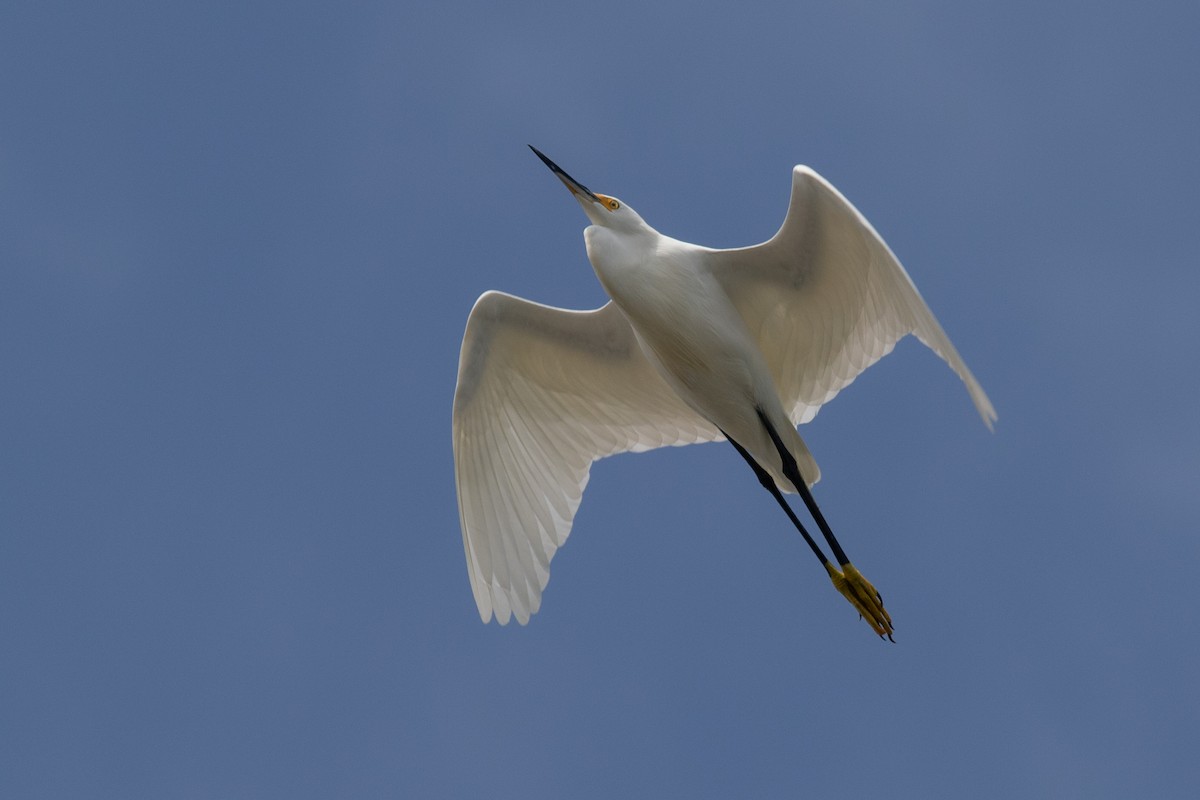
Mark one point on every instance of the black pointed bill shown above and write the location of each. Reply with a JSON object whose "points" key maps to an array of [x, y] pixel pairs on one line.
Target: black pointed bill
{"points": [[575, 186]]}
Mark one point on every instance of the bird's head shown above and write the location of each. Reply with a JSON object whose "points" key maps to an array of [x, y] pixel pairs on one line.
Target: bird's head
{"points": [[602, 210]]}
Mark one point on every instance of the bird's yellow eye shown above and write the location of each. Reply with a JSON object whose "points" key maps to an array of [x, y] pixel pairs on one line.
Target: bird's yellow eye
{"points": [[613, 205], [608, 202]]}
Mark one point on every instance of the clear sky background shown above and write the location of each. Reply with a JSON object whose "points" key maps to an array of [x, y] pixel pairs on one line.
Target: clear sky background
{"points": [[238, 246]]}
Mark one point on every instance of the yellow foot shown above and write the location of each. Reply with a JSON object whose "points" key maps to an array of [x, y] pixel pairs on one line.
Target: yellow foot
{"points": [[862, 595]]}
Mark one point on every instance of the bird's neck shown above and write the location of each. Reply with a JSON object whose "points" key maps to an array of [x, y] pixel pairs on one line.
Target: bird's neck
{"points": [[636, 267], [614, 253]]}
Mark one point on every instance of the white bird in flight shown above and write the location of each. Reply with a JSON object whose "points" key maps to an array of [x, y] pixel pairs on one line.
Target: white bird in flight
{"points": [[696, 345]]}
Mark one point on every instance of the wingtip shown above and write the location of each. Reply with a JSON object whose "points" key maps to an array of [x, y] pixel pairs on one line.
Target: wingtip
{"points": [[987, 412], [804, 170]]}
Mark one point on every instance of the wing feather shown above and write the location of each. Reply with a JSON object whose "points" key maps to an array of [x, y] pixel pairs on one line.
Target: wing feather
{"points": [[542, 393], [825, 298]]}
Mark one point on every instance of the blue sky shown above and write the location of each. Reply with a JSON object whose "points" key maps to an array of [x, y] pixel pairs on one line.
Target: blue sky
{"points": [[238, 245]]}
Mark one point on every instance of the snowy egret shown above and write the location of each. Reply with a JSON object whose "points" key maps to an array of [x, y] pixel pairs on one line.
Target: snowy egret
{"points": [[696, 345]]}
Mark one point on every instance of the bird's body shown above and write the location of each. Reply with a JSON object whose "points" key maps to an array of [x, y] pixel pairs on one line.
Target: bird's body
{"points": [[696, 345], [692, 334]]}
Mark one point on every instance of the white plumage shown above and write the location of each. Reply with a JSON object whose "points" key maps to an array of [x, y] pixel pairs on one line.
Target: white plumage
{"points": [[692, 344]]}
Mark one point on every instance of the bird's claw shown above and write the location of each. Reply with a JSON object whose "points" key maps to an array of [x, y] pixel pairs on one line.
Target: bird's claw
{"points": [[863, 596]]}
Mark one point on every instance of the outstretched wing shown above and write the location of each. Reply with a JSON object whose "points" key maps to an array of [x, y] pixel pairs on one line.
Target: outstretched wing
{"points": [[542, 393], [825, 298]]}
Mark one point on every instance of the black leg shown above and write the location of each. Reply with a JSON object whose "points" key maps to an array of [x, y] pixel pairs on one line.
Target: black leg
{"points": [[791, 471], [768, 483], [847, 580]]}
